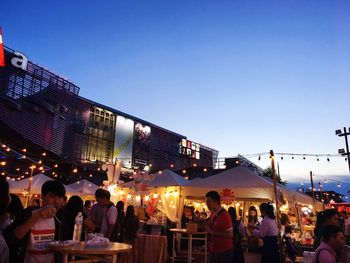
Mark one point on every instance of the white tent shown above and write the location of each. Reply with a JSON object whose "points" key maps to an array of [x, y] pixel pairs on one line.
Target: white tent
{"points": [[168, 186], [246, 185], [164, 178], [18, 187], [168, 178], [242, 181], [82, 188]]}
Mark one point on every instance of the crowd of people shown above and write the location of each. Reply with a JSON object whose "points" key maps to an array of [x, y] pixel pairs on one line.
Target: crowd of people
{"points": [[25, 234], [227, 233]]}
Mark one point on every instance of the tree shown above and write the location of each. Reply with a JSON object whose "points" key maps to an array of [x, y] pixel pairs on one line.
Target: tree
{"points": [[268, 173]]}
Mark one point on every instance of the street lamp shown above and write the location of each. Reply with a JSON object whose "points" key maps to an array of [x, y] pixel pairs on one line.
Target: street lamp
{"points": [[343, 152]]}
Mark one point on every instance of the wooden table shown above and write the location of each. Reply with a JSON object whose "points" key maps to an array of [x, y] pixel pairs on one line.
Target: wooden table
{"points": [[190, 238], [113, 249]]}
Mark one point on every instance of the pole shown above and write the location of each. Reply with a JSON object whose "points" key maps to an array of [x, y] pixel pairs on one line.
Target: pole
{"points": [[321, 194], [272, 157], [30, 184], [274, 182], [347, 146], [312, 187]]}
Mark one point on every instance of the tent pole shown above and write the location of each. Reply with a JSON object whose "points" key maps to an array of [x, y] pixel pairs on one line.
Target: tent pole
{"points": [[272, 157]]}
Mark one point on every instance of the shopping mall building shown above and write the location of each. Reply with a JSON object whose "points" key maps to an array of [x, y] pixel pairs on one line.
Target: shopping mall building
{"points": [[46, 109]]}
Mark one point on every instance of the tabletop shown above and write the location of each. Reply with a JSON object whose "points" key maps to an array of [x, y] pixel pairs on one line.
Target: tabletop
{"points": [[184, 231], [81, 249]]}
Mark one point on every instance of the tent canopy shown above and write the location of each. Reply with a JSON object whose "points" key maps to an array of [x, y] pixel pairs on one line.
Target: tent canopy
{"points": [[242, 181], [38, 180], [82, 187], [238, 177], [163, 179], [168, 178]]}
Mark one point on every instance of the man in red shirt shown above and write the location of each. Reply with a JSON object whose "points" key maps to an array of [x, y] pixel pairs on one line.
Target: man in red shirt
{"points": [[220, 230]]}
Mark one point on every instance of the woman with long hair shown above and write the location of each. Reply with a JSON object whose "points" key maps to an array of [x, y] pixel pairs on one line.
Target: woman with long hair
{"points": [[252, 230], [269, 234], [131, 225], [130, 228], [74, 205], [324, 218], [120, 221], [253, 222]]}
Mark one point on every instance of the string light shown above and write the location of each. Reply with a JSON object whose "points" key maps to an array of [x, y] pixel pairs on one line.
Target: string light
{"points": [[205, 169], [3, 163]]}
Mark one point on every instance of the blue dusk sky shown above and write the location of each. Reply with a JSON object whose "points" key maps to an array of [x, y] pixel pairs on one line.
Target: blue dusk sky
{"points": [[238, 76]]}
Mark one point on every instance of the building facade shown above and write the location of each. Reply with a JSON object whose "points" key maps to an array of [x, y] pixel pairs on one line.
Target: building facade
{"points": [[46, 109]]}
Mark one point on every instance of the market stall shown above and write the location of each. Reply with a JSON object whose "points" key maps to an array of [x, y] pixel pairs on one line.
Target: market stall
{"points": [[159, 192]]}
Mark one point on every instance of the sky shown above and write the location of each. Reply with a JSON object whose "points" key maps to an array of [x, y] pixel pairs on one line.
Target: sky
{"points": [[241, 77]]}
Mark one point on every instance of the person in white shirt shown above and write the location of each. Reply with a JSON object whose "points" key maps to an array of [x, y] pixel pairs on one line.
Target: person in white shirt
{"points": [[108, 222], [269, 233], [35, 228]]}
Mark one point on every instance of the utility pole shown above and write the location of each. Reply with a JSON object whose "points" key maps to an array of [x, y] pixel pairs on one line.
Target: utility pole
{"points": [[342, 151]]}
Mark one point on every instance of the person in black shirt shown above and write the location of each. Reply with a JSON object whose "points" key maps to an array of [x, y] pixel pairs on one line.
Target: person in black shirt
{"points": [[70, 211], [131, 225]]}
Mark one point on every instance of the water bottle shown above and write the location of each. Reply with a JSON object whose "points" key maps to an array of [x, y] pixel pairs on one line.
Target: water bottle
{"points": [[78, 227]]}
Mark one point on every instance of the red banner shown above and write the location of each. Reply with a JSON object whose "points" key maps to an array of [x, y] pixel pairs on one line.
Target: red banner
{"points": [[2, 55]]}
